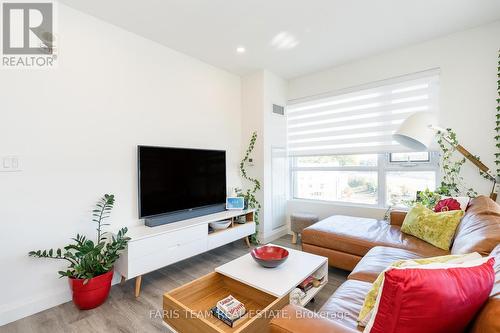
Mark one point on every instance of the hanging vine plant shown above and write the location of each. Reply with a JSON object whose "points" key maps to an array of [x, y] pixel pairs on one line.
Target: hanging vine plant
{"points": [[497, 127], [452, 183], [496, 173], [250, 194]]}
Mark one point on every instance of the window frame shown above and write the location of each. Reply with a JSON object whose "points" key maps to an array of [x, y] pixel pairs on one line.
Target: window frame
{"points": [[384, 165], [411, 161]]}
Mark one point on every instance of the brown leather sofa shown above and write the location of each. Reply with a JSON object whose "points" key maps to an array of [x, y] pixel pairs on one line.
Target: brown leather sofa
{"points": [[367, 247], [344, 240]]}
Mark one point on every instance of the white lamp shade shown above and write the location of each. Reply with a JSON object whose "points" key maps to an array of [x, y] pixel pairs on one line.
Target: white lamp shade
{"points": [[416, 132]]}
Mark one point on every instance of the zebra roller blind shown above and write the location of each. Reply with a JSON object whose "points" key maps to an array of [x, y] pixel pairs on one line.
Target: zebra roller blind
{"points": [[360, 120]]}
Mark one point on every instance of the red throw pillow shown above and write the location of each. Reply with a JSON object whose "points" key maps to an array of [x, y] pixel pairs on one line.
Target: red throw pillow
{"points": [[446, 205], [432, 300]]}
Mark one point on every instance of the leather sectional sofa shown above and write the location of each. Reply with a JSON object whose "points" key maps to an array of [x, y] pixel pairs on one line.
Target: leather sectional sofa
{"points": [[367, 246]]}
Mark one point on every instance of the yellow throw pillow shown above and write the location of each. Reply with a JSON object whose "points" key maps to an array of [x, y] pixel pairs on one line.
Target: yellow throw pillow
{"points": [[370, 299], [437, 229]]}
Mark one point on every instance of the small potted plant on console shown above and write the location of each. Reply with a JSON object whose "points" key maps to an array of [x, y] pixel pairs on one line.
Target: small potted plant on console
{"points": [[90, 269]]}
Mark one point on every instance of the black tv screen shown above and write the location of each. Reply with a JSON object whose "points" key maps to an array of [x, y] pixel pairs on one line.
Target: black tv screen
{"points": [[177, 179]]}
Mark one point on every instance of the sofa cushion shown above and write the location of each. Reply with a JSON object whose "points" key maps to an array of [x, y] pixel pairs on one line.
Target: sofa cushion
{"points": [[479, 230], [356, 235], [370, 299], [378, 259], [344, 305], [438, 298], [437, 229]]}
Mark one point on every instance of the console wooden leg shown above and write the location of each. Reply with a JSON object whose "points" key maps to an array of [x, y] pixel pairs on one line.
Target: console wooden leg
{"points": [[138, 285], [247, 240], [122, 281], [294, 238]]}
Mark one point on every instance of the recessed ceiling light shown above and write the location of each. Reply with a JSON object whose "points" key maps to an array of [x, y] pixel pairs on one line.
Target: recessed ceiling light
{"points": [[240, 49]]}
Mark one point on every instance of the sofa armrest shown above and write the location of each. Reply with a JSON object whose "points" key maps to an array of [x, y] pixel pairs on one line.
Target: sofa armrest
{"points": [[397, 217], [295, 319]]}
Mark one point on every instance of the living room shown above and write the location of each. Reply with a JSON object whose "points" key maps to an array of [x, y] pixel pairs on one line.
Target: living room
{"points": [[250, 166]]}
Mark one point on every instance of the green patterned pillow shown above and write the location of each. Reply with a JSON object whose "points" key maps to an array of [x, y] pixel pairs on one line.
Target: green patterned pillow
{"points": [[437, 229]]}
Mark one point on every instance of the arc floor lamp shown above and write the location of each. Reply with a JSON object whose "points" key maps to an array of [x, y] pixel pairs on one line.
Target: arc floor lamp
{"points": [[418, 132]]}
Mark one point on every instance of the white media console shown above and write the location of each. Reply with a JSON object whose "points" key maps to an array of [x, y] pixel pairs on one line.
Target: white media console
{"points": [[152, 248]]}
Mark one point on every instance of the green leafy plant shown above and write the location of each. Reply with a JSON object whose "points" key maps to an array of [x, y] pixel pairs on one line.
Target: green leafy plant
{"points": [[426, 197], [452, 183], [250, 193], [87, 259]]}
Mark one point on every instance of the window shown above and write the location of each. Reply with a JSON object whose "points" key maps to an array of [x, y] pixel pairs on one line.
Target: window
{"points": [[341, 186], [402, 186], [337, 161], [343, 178], [423, 156], [370, 179], [341, 144]]}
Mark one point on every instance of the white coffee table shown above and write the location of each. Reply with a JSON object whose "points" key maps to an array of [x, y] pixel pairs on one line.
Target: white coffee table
{"points": [[281, 280]]}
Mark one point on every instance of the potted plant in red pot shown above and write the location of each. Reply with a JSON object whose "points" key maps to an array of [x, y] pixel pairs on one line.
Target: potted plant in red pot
{"points": [[90, 269]]}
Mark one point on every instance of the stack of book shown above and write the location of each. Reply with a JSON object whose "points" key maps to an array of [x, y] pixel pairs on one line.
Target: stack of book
{"points": [[229, 310], [306, 284]]}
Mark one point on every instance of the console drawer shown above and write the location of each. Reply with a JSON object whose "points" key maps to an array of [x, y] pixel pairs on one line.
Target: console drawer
{"points": [[151, 245], [165, 256]]}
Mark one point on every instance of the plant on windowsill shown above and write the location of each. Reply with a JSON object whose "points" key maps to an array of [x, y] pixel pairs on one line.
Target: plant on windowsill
{"points": [[90, 269], [250, 194], [426, 198]]}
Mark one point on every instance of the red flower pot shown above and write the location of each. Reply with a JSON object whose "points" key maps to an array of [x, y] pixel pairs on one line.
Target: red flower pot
{"points": [[93, 293]]}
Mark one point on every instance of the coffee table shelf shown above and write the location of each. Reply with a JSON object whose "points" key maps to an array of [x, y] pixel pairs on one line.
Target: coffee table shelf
{"points": [[310, 294]]}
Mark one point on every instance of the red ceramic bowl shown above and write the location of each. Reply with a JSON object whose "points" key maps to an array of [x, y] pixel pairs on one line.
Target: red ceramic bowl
{"points": [[269, 256]]}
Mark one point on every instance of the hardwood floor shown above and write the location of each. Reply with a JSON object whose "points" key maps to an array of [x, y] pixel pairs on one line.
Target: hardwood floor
{"points": [[122, 312]]}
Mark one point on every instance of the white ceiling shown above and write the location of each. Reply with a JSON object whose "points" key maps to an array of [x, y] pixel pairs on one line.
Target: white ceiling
{"points": [[328, 32]]}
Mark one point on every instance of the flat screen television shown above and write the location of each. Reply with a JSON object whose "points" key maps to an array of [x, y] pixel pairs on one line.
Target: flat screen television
{"points": [[180, 183]]}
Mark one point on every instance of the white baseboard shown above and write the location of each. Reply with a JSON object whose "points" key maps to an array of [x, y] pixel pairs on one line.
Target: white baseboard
{"points": [[20, 309], [273, 235], [27, 307]]}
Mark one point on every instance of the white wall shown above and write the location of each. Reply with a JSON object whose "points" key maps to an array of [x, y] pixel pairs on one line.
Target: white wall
{"points": [[260, 90], [252, 102], [76, 128], [468, 62], [275, 92]]}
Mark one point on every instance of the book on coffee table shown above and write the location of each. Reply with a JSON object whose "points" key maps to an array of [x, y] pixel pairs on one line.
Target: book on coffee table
{"points": [[306, 284], [222, 317], [229, 310], [231, 307]]}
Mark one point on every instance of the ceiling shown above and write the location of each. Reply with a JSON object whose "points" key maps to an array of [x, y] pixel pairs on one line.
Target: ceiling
{"points": [[289, 37]]}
